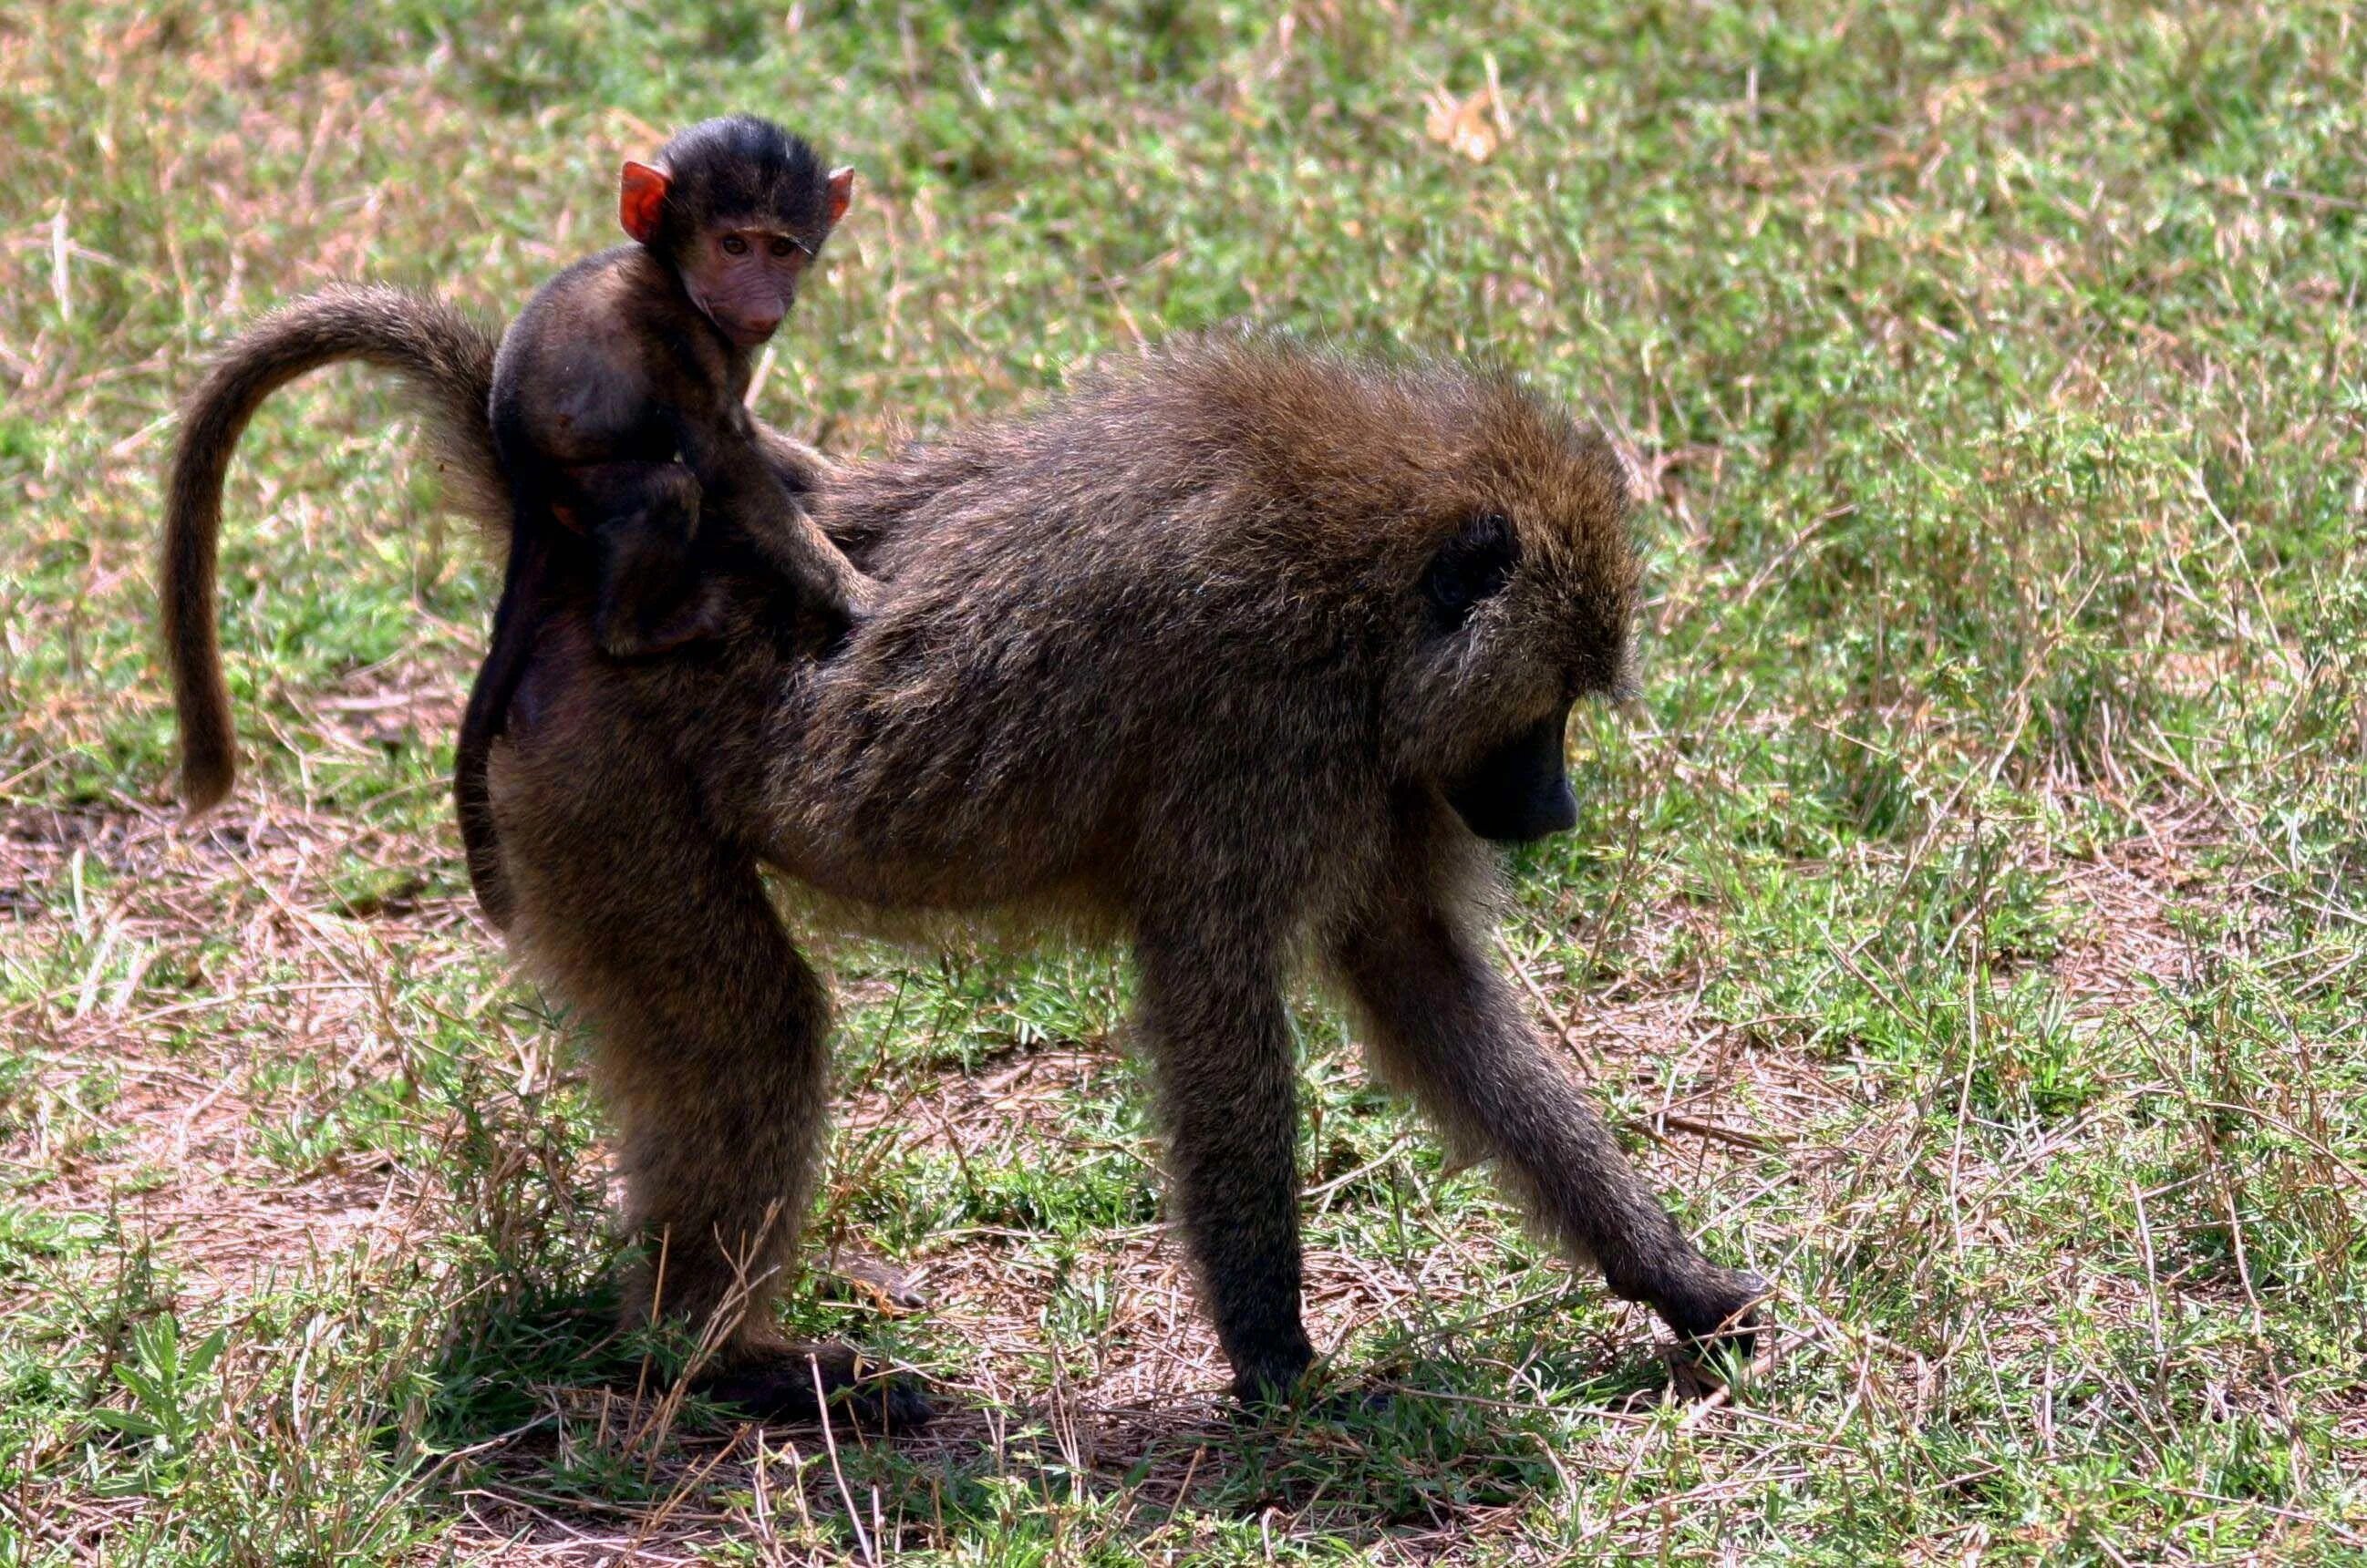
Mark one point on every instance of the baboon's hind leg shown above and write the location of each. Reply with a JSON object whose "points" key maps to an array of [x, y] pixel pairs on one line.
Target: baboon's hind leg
{"points": [[1444, 1025], [709, 1033], [1213, 1019]]}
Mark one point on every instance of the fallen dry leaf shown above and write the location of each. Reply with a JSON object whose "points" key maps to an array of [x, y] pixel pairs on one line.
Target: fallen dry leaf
{"points": [[1475, 126]]}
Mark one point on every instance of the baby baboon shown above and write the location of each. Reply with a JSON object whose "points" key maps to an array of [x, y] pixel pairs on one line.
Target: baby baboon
{"points": [[1238, 653], [638, 357], [616, 368]]}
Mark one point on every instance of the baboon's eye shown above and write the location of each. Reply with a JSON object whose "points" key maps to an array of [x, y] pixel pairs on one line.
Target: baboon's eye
{"points": [[1469, 568]]}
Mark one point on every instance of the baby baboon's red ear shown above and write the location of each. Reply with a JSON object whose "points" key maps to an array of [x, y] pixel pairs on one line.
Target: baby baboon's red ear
{"points": [[640, 199], [842, 191]]}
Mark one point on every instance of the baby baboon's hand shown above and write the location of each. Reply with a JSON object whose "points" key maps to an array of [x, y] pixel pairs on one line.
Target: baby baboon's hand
{"points": [[864, 596], [856, 603]]}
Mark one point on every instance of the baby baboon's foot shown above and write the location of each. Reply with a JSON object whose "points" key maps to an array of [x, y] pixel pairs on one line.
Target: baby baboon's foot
{"points": [[698, 618], [1715, 1306], [791, 1384]]}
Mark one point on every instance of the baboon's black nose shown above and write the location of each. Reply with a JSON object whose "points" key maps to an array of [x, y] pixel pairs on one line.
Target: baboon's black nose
{"points": [[1521, 790]]}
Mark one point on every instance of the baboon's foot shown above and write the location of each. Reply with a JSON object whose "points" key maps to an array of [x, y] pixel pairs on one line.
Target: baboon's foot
{"points": [[1714, 1306], [1276, 1383], [793, 1384]]}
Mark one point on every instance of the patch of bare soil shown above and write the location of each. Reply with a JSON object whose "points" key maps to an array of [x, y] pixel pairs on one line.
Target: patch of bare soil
{"points": [[215, 960]]}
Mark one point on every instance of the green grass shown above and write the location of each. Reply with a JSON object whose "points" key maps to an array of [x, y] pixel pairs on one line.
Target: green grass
{"points": [[1969, 932]]}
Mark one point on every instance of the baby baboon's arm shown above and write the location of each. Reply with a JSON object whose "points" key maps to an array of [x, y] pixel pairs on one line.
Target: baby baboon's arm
{"points": [[736, 466]]}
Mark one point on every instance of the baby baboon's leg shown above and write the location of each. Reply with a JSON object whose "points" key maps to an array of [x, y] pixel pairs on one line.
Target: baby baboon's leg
{"points": [[643, 518], [1220, 1049], [1445, 1026], [710, 1033]]}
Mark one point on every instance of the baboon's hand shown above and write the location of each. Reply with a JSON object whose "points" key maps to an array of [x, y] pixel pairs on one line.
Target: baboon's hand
{"points": [[1279, 1384], [1722, 1306], [1323, 1399]]}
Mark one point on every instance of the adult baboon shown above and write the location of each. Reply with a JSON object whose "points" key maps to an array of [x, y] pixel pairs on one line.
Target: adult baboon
{"points": [[1237, 654]]}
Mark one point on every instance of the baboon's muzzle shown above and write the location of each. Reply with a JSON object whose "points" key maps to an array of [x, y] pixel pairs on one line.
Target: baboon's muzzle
{"points": [[1521, 790]]}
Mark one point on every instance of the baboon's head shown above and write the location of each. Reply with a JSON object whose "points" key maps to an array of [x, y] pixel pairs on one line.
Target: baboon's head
{"points": [[1517, 593], [1471, 531], [1297, 536]]}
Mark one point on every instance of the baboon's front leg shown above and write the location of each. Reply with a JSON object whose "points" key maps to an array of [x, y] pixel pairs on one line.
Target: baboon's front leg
{"points": [[1219, 1043], [1444, 1024], [710, 1032]]}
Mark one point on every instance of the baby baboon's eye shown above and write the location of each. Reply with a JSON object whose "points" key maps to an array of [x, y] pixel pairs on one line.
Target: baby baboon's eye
{"points": [[1470, 567]]}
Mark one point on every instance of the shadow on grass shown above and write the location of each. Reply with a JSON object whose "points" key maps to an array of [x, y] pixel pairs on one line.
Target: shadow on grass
{"points": [[1417, 1449], [502, 1356], [548, 1422], [543, 1391]]}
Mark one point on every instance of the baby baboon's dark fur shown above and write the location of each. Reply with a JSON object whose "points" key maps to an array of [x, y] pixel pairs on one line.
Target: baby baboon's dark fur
{"points": [[1231, 655]]}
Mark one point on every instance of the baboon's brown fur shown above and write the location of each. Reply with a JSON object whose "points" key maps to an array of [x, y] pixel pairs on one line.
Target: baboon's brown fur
{"points": [[1196, 658], [445, 360]]}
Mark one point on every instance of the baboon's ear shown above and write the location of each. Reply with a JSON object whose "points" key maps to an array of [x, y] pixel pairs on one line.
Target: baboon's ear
{"points": [[641, 200], [1470, 567], [842, 192]]}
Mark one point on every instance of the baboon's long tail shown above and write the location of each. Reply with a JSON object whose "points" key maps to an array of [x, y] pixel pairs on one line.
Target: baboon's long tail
{"points": [[446, 361]]}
